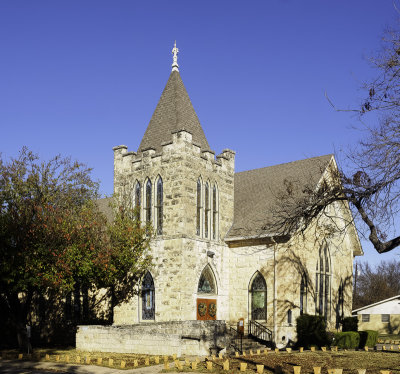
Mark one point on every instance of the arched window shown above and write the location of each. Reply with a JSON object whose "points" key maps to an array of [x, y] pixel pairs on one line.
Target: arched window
{"points": [[198, 207], [159, 206], [214, 213], [322, 283], [138, 191], [206, 210], [340, 304], [303, 294], [148, 302], [207, 284], [148, 201], [258, 294]]}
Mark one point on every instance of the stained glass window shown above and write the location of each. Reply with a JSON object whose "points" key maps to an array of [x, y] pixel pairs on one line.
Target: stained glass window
{"points": [[207, 210], [148, 293], [214, 213], [303, 294], [198, 210], [207, 282], [323, 286], [258, 298], [148, 201], [159, 207], [137, 198]]}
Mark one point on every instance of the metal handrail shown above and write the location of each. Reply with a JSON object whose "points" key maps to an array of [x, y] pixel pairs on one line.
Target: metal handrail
{"points": [[259, 331], [237, 339]]}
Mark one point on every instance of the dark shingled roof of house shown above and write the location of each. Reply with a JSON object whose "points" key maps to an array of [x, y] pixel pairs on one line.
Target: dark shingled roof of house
{"points": [[255, 193], [174, 112]]}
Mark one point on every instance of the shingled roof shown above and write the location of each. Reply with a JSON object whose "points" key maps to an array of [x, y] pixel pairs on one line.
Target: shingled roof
{"points": [[255, 193], [174, 112]]}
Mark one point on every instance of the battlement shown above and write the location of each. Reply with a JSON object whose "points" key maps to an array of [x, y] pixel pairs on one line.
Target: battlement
{"points": [[181, 145]]}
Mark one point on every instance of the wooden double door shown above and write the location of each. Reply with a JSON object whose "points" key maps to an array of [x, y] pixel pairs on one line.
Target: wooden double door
{"points": [[206, 309]]}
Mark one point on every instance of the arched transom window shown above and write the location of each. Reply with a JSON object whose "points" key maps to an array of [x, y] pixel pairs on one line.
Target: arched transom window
{"points": [[323, 283], [207, 283]]}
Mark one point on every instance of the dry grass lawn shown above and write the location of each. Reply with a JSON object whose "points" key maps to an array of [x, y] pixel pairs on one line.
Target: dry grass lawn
{"points": [[282, 362]]}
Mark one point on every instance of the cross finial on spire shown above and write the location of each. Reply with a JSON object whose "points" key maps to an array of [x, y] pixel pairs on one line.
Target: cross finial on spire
{"points": [[175, 52]]}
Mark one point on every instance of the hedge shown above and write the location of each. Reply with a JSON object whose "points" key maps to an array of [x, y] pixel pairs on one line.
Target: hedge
{"points": [[368, 338], [311, 330], [347, 339], [350, 324]]}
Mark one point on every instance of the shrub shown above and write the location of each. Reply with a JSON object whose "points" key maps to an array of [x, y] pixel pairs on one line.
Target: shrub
{"points": [[347, 339], [368, 338], [311, 330], [350, 324]]}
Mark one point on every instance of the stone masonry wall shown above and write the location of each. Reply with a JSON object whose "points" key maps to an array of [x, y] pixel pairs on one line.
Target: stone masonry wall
{"points": [[181, 338]]}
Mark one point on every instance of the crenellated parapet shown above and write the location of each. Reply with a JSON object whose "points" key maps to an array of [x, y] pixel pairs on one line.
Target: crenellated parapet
{"points": [[180, 164]]}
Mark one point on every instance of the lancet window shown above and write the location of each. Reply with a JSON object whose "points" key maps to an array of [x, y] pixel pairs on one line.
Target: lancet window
{"points": [[303, 294], [258, 294], [159, 206], [215, 213], [138, 191], [323, 283], [148, 297], [206, 210], [148, 201], [198, 207]]}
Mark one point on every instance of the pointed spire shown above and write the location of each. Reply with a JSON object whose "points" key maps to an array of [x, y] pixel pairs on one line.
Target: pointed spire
{"points": [[173, 112], [175, 51]]}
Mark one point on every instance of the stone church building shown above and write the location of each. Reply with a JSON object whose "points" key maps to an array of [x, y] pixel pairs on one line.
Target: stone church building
{"points": [[214, 258]]}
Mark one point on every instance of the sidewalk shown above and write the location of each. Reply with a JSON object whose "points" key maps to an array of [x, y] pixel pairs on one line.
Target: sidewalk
{"points": [[10, 365]]}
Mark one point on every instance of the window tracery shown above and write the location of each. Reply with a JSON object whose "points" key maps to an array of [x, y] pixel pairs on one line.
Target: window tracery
{"points": [[207, 283]]}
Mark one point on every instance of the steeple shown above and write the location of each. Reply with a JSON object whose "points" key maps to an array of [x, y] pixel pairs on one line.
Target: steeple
{"points": [[174, 112]]}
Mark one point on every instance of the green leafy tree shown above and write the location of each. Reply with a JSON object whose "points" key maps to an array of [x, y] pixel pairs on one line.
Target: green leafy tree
{"points": [[54, 237]]}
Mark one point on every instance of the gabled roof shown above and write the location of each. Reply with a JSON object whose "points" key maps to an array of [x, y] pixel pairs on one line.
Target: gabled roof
{"points": [[174, 112], [256, 194], [377, 303]]}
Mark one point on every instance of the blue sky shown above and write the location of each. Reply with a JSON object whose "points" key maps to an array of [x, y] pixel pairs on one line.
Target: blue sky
{"points": [[79, 77]]}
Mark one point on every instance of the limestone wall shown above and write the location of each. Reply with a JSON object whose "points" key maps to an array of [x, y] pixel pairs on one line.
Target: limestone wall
{"points": [[181, 338]]}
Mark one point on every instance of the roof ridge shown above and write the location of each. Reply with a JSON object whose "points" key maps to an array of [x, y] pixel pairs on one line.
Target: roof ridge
{"points": [[285, 163]]}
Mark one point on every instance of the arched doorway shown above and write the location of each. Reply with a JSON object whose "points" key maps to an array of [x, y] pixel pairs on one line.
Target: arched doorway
{"points": [[148, 302], [206, 295], [258, 298]]}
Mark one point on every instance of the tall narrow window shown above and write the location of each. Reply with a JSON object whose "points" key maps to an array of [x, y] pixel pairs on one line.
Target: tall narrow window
{"points": [[138, 191], [148, 302], [303, 294], [148, 201], [214, 213], [340, 304], [206, 210], [323, 285], [159, 206], [198, 207], [258, 293]]}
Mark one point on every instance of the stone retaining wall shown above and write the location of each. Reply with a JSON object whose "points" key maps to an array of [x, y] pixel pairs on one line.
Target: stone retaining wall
{"points": [[163, 338]]}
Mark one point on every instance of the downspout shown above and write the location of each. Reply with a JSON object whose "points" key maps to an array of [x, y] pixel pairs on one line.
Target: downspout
{"points": [[275, 296]]}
